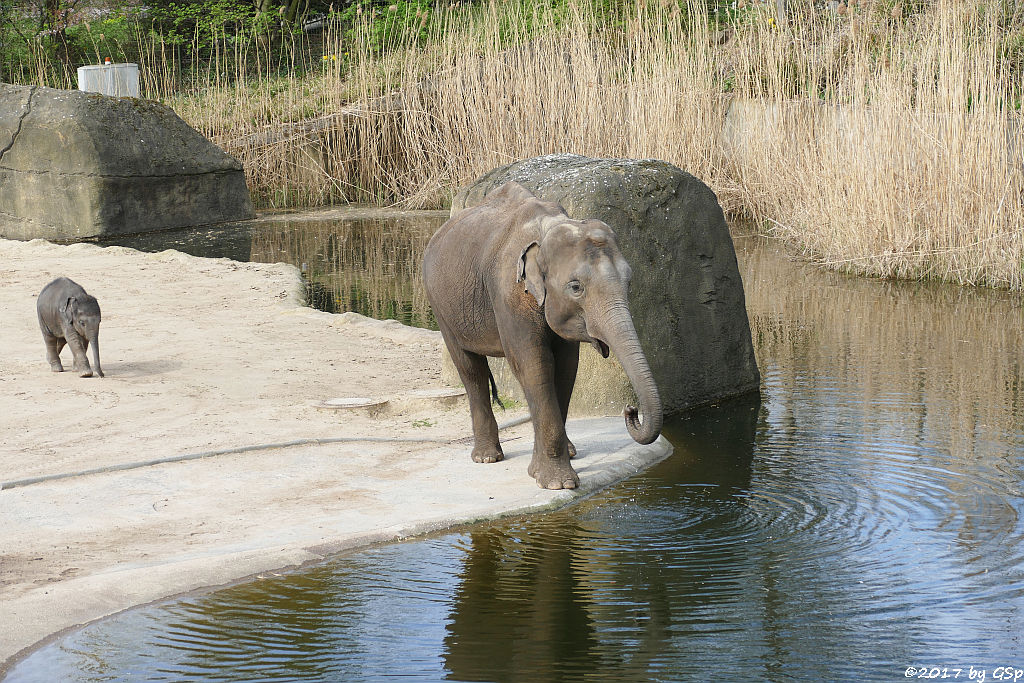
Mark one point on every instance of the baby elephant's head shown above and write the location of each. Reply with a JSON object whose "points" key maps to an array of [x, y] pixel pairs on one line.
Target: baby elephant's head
{"points": [[83, 314]]}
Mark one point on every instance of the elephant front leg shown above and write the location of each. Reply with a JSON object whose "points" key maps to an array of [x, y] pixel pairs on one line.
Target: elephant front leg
{"points": [[78, 347], [567, 360], [550, 464]]}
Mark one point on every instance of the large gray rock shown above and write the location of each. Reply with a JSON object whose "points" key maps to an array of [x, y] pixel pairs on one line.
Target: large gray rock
{"points": [[75, 164], [686, 297]]}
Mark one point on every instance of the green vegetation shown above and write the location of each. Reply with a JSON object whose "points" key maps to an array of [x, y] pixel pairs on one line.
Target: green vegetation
{"points": [[399, 24], [878, 136], [509, 402]]}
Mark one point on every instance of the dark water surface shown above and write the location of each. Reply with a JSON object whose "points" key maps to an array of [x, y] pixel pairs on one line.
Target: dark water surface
{"points": [[863, 517], [362, 260]]}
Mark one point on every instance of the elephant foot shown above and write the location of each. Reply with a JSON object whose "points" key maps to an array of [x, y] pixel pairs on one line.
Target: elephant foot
{"points": [[56, 367], [488, 454], [553, 473]]}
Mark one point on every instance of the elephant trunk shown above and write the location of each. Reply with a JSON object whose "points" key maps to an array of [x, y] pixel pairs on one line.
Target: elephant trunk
{"points": [[623, 341], [94, 342]]}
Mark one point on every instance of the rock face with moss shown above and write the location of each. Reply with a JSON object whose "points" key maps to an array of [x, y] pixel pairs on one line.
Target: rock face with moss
{"points": [[75, 165], [686, 295]]}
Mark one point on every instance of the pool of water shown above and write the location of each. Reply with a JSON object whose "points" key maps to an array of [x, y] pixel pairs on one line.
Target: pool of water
{"points": [[353, 259], [862, 517]]}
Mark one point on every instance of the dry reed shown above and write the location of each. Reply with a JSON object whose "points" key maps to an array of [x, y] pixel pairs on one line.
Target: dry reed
{"points": [[875, 145], [908, 166]]}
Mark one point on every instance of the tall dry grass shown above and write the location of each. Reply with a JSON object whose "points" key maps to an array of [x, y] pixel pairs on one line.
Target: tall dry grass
{"points": [[516, 83], [490, 85], [880, 145], [909, 163], [876, 146]]}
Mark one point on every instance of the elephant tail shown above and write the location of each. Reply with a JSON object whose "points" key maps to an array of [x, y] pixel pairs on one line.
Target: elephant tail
{"points": [[494, 389]]}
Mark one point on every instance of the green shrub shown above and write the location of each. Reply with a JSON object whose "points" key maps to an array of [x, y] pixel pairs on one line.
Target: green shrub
{"points": [[383, 27]]}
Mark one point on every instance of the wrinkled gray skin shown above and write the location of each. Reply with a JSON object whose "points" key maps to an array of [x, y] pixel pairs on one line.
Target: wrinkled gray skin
{"points": [[516, 277], [67, 315]]}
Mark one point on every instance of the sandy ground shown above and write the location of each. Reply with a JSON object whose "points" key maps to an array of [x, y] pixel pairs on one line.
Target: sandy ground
{"points": [[206, 355]]}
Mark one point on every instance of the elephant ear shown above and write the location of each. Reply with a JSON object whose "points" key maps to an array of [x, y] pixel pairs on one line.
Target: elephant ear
{"points": [[67, 309], [530, 270]]}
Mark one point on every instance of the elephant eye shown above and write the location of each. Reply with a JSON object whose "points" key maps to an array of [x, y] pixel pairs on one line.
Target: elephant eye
{"points": [[575, 288]]}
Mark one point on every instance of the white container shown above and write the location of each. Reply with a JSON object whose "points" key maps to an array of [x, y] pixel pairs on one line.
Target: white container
{"points": [[117, 80]]}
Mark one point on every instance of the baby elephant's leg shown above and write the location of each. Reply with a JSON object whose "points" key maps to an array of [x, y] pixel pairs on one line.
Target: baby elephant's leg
{"points": [[79, 345], [53, 349]]}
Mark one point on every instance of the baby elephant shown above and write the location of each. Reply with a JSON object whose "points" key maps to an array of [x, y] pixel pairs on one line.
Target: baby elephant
{"points": [[67, 315]]}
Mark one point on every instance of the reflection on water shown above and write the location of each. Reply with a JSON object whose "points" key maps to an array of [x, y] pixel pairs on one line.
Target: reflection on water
{"points": [[357, 262], [604, 590], [864, 517]]}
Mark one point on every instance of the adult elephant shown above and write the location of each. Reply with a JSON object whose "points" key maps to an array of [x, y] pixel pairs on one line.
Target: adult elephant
{"points": [[516, 277]]}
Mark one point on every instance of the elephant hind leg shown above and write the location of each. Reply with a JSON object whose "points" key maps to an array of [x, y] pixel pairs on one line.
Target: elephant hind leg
{"points": [[476, 377], [54, 345]]}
